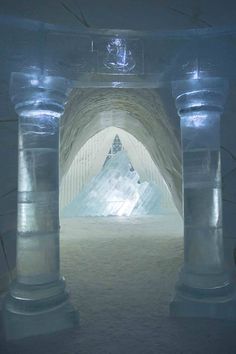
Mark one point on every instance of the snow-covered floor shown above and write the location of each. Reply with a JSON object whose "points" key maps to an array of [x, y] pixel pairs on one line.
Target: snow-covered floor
{"points": [[121, 274], [126, 264]]}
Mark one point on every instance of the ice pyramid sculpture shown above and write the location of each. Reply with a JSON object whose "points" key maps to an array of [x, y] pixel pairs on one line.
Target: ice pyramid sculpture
{"points": [[116, 191]]}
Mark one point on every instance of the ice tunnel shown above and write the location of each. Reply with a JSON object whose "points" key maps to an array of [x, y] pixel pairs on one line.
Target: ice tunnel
{"points": [[91, 119], [95, 185]]}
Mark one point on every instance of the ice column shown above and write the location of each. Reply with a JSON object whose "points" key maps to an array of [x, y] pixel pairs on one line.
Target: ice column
{"points": [[37, 302], [204, 288]]}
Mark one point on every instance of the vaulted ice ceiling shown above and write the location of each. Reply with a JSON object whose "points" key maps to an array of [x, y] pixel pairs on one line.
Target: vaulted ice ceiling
{"points": [[139, 112]]}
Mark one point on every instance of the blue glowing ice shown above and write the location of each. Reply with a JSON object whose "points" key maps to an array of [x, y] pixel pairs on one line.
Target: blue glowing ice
{"points": [[116, 191]]}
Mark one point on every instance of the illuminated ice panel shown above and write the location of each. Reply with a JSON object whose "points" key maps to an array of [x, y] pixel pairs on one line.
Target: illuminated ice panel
{"points": [[116, 191]]}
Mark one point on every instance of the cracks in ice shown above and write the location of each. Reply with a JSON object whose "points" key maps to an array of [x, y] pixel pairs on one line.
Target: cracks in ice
{"points": [[80, 18], [229, 201], [8, 192], [195, 16], [229, 152], [8, 120], [233, 158], [228, 173], [5, 256], [9, 213]]}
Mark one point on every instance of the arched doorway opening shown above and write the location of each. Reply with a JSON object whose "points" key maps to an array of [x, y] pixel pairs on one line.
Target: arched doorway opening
{"points": [[139, 112], [116, 258], [86, 174]]}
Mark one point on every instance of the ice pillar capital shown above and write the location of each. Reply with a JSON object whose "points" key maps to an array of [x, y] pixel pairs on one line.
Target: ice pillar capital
{"points": [[197, 95], [38, 302], [37, 95], [204, 288]]}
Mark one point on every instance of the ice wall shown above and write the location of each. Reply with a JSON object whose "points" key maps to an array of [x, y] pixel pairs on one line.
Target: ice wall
{"points": [[116, 191]]}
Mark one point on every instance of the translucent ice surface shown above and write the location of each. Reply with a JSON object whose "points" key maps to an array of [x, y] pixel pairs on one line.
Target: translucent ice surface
{"points": [[116, 190]]}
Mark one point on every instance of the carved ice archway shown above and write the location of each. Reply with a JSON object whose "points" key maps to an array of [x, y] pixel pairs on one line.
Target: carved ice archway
{"points": [[138, 112], [90, 159]]}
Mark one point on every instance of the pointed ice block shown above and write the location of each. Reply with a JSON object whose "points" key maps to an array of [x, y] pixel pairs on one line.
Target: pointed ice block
{"points": [[116, 190]]}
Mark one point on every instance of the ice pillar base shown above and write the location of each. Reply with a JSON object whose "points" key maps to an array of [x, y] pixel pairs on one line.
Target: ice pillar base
{"points": [[223, 308], [216, 301], [35, 310]]}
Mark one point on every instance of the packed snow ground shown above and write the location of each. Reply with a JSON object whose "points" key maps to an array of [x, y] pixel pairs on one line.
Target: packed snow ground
{"points": [[121, 274], [118, 259]]}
